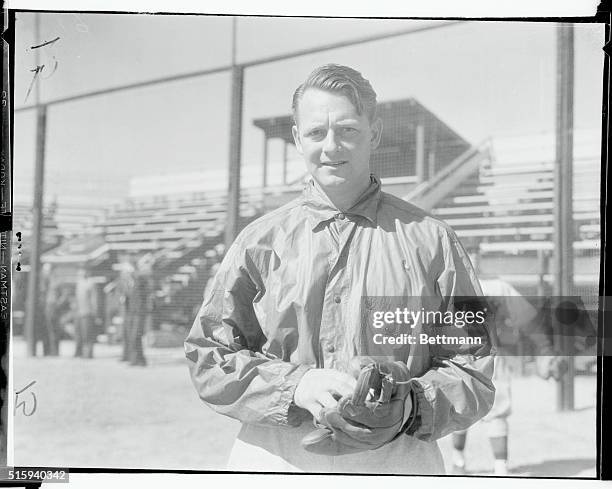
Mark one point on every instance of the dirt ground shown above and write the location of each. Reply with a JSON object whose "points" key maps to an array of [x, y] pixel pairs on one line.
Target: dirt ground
{"points": [[104, 413]]}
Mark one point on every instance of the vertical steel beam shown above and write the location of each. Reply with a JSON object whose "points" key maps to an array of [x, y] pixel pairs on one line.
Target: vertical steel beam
{"points": [[563, 211], [420, 153], [543, 269], [431, 165], [37, 229], [235, 141], [284, 162], [235, 144], [265, 162]]}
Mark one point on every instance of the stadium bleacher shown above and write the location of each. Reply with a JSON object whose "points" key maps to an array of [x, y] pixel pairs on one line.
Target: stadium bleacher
{"points": [[185, 236], [507, 209]]}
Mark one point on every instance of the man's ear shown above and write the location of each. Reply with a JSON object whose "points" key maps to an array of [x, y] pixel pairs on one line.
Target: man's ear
{"points": [[377, 128], [296, 139]]}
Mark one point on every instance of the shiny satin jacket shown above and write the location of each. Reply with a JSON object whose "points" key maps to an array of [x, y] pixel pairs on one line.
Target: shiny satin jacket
{"points": [[292, 293]]}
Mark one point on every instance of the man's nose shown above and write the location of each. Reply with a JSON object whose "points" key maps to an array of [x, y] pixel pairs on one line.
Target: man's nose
{"points": [[331, 143]]}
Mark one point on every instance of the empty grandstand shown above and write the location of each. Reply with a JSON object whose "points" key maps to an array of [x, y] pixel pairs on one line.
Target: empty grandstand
{"points": [[506, 208]]}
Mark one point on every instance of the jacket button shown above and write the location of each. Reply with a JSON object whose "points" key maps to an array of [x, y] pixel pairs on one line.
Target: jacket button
{"points": [[340, 216], [337, 299], [330, 348]]}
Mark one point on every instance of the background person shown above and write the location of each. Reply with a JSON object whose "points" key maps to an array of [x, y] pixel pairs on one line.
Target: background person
{"points": [[125, 286], [513, 314], [50, 309], [138, 309], [86, 309]]}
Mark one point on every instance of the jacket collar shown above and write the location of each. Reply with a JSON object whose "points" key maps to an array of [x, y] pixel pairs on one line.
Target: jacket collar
{"points": [[319, 208]]}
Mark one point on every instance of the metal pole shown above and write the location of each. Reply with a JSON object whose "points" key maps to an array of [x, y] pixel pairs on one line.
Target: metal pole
{"points": [[284, 162], [542, 289], [234, 34], [31, 318], [431, 165], [37, 57], [433, 135], [37, 224], [265, 162], [563, 211], [235, 141], [420, 153]]}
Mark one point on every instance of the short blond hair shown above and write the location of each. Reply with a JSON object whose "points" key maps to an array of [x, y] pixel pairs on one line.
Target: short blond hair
{"points": [[343, 80]]}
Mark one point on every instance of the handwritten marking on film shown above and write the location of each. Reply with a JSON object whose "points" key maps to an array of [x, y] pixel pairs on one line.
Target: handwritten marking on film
{"points": [[39, 68], [46, 43], [24, 404]]}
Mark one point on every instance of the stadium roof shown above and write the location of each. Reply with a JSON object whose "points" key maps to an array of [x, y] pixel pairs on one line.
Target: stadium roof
{"points": [[400, 118]]}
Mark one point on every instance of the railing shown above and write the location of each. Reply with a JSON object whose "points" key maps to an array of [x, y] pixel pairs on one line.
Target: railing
{"points": [[427, 194]]}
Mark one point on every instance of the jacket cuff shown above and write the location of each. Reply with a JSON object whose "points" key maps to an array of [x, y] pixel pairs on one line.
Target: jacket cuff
{"points": [[288, 414], [420, 422], [414, 414]]}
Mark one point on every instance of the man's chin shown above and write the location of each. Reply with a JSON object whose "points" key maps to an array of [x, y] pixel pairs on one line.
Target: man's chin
{"points": [[329, 181]]}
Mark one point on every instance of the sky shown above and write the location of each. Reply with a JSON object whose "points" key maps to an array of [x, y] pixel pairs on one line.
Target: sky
{"points": [[484, 79]]}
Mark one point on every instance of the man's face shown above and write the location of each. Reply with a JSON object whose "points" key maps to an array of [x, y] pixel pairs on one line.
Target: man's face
{"points": [[334, 139]]}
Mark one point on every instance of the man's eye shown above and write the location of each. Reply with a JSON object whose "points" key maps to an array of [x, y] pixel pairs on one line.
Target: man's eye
{"points": [[316, 133], [349, 130]]}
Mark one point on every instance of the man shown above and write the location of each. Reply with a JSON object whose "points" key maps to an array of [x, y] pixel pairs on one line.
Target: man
{"points": [[125, 286], [137, 306], [49, 307], [513, 313], [56, 303], [275, 337], [87, 309]]}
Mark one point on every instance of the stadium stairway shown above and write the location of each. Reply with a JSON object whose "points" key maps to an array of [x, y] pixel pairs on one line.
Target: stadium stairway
{"points": [[506, 208]]}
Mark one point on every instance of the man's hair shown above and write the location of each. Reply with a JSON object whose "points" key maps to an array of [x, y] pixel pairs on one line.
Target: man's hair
{"points": [[342, 80]]}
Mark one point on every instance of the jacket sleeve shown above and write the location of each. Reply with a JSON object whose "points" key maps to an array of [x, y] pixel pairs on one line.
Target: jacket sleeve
{"points": [[230, 372], [456, 389]]}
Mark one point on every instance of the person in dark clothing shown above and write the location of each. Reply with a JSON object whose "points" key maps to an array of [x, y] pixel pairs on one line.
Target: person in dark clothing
{"points": [[125, 287], [46, 330], [56, 302], [137, 312], [87, 309]]}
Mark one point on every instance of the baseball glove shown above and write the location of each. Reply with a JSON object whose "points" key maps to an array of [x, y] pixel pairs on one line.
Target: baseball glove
{"points": [[371, 417]]}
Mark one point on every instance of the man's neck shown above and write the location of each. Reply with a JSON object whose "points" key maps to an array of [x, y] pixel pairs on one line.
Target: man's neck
{"points": [[345, 198]]}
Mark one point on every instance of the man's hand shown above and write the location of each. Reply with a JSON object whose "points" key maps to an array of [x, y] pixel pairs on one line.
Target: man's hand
{"points": [[373, 415], [322, 388]]}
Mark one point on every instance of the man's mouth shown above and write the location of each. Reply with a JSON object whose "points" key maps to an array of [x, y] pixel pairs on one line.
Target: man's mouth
{"points": [[334, 163]]}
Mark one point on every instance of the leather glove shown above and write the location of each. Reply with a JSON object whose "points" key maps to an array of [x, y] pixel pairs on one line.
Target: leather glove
{"points": [[372, 416]]}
